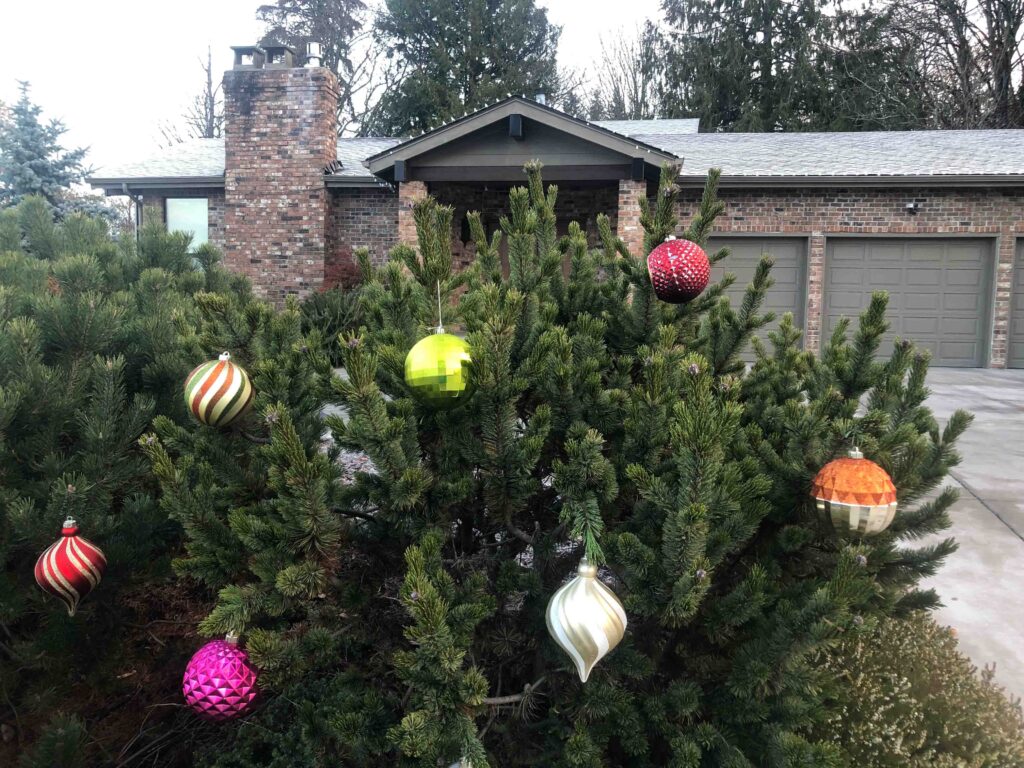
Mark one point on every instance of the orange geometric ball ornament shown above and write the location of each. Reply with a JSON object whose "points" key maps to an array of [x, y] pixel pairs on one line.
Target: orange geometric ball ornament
{"points": [[679, 270], [70, 568], [855, 494]]}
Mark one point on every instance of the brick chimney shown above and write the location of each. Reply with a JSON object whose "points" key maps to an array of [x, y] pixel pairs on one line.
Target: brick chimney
{"points": [[280, 133]]}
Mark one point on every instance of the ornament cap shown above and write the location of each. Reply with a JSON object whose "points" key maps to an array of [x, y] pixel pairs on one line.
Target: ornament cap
{"points": [[586, 569], [224, 356], [70, 526], [669, 238], [439, 329], [231, 638], [855, 453]]}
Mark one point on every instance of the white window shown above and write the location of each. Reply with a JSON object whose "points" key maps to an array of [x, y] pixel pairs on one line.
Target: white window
{"points": [[189, 214]]}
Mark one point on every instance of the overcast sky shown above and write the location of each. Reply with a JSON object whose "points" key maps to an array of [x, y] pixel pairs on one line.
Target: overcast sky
{"points": [[113, 70]]}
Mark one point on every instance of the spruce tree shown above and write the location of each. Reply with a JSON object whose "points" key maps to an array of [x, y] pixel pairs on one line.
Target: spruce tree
{"points": [[32, 159], [397, 609]]}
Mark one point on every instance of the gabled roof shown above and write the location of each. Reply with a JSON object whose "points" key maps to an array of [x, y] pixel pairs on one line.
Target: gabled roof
{"points": [[885, 158], [628, 146]]}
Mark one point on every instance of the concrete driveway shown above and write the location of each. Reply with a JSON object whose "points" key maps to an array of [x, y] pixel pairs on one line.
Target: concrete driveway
{"points": [[982, 584]]}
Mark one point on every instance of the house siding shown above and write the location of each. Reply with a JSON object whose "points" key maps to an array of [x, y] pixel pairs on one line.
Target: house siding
{"points": [[818, 214]]}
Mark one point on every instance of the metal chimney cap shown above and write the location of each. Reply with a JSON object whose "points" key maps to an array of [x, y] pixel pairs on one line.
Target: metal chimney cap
{"points": [[248, 56], [541, 99], [314, 54]]}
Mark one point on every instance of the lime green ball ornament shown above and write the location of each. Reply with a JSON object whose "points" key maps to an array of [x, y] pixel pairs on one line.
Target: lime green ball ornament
{"points": [[437, 368]]}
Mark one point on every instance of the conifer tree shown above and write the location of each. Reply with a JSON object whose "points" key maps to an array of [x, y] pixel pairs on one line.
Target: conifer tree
{"points": [[92, 343], [32, 160], [397, 611]]}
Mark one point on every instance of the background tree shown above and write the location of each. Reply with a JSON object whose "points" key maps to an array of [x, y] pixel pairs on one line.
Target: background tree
{"points": [[204, 117], [626, 76], [460, 56], [970, 55], [344, 29], [32, 159]]}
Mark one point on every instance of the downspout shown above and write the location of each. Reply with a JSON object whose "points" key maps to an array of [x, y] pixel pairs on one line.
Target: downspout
{"points": [[138, 209]]}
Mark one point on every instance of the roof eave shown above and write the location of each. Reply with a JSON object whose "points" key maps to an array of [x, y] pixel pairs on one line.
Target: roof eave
{"points": [[118, 185], [913, 180]]}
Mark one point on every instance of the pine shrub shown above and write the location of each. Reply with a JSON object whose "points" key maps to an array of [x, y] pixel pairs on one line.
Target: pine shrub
{"points": [[95, 338], [397, 613], [905, 695]]}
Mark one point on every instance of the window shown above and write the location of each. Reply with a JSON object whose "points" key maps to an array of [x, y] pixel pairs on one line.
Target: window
{"points": [[189, 214]]}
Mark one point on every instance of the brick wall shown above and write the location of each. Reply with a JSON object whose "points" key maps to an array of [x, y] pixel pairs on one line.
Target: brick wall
{"points": [[280, 133], [819, 213], [362, 217], [628, 225], [580, 203]]}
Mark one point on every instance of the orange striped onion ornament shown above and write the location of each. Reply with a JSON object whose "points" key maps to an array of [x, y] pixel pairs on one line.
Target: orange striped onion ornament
{"points": [[218, 391], [70, 568]]}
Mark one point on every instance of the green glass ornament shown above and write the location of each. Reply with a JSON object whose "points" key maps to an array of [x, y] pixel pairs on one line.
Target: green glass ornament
{"points": [[437, 368]]}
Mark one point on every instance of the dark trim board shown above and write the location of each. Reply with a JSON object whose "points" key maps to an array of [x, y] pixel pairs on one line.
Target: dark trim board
{"points": [[502, 173]]}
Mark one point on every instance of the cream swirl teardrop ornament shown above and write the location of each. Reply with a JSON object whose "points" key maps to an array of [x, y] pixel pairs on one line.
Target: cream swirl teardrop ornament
{"points": [[586, 619]]}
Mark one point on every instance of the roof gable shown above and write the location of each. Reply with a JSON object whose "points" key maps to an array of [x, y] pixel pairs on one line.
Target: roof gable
{"points": [[484, 137]]}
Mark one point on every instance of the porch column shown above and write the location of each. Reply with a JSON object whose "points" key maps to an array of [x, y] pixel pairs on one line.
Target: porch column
{"points": [[409, 193], [815, 292], [628, 222]]}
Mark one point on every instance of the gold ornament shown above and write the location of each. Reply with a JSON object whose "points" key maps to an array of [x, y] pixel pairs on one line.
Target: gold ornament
{"points": [[855, 494], [586, 619]]}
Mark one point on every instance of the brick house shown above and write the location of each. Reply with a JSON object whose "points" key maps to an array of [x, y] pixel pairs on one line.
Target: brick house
{"points": [[935, 217]]}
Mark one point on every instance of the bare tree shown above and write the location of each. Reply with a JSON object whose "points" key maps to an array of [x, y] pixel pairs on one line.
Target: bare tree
{"points": [[626, 77], [970, 52], [204, 116]]}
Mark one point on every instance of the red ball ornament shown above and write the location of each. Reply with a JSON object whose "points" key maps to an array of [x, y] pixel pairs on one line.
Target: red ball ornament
{"points": [[679, 270], [220, 681], [70, 568]]}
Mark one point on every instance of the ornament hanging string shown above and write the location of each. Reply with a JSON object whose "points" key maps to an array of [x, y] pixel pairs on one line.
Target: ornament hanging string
{"points": [[440, 325]]}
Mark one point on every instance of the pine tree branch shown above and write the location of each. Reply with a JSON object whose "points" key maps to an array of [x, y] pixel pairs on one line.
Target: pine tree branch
{"points": [[515, 698]]}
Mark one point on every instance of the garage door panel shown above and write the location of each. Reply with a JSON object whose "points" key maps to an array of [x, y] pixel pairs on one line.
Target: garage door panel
{"points": [[788, 292], [938, 291]]}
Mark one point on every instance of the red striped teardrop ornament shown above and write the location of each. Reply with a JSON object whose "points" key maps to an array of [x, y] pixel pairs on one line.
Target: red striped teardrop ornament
{"points": [[218, 391], [70, 568]]}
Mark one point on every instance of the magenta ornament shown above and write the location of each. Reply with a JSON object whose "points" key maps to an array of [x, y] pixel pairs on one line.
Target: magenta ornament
{"points": [[220, 681]]}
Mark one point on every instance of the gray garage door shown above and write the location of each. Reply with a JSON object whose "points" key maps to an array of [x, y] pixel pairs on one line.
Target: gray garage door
{"points": [[1015, 358], [938, 292], [789, 273]]}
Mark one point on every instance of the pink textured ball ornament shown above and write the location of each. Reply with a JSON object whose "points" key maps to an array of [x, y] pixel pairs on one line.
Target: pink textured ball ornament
{"points": [[679, 270], [220, 682]]}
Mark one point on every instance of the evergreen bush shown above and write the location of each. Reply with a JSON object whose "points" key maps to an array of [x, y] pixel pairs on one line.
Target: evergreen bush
{"points": [[906, 696], [397, 615], [95, 338]]}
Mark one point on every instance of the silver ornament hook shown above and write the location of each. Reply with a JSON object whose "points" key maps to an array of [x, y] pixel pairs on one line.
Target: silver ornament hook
{"points": [[440, 326]]}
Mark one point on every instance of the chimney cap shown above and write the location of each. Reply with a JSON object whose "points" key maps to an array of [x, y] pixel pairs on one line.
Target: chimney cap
{"points": [[248, 56], [274, 47], [279, 55]]}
